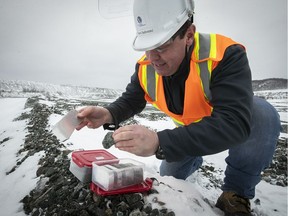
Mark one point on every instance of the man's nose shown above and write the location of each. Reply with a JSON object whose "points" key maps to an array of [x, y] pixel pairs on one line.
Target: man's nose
{"points": [[152, 55]]}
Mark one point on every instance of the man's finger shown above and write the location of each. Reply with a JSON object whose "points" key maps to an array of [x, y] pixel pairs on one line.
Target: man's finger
{"points": [[81, 125], [124, 144], [127, 149], [84, 112], [122, 136]]}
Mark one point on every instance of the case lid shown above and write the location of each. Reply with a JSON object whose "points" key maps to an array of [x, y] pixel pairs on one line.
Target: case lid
{"points": [[146, 185], [86, 157]]}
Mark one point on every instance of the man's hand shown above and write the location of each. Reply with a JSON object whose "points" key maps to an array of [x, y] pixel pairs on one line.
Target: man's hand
{"points": [[93, 117], [137, 140]]}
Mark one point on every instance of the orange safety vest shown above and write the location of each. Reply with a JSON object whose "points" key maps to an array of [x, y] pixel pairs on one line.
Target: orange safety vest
{"points": [[208, 52]]}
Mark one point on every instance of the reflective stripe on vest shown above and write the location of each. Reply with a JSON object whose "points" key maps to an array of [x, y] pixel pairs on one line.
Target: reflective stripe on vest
{"points": [[205, 67], [208, 51]]}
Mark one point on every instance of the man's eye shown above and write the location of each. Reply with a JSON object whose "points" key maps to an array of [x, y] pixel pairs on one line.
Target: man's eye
{"points": [[161, 49]]}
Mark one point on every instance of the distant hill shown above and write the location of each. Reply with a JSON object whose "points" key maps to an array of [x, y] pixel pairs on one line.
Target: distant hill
{"points": [[19, 88], [269, 84]]}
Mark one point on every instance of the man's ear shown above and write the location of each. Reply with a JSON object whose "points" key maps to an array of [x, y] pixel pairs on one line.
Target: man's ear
{"points": [[190, 35]]}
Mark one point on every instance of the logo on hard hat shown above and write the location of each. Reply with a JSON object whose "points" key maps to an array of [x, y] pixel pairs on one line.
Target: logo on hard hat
{"points": [[139, 19], [140, 22], [145, 31]]}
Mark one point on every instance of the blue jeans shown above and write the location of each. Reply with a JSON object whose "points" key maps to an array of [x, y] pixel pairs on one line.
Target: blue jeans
{"points": [[245, 162]]}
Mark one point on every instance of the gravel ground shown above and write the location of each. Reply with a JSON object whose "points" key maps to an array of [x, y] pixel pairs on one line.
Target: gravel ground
{"points": [[58, 187]]}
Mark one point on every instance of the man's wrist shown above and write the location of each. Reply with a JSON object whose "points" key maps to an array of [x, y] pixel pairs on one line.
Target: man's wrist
{"points": [[108, 116]]}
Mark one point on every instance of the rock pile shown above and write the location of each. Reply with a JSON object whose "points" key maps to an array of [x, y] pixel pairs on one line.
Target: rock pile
{"points": [[59, 192]]}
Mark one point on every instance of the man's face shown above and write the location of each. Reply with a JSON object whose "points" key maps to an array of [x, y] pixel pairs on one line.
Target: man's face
{"points": [[167, 58]]}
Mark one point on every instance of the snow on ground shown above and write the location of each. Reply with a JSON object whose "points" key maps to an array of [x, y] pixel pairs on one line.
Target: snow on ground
{"points": [[183, 197], [15, 186]]}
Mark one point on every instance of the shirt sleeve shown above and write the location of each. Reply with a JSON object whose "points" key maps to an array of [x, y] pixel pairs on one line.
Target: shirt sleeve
{"points": [[131, 102], [229, 123]]}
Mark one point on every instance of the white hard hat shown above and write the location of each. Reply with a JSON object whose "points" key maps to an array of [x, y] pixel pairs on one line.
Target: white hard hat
{"points": [[156, 21]]}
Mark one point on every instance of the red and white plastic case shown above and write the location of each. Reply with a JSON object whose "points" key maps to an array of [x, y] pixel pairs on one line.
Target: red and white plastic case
{"points": [[81, 162], [117, 173]]}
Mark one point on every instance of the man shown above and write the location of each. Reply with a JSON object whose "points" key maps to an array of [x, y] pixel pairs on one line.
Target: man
{"points": [[203, 82]]}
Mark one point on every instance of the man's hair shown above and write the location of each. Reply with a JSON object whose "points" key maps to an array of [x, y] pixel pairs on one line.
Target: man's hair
{"points": [[182, 31]]}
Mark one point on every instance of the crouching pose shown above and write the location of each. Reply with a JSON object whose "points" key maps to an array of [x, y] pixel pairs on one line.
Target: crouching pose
{"points": [[203, 82]]}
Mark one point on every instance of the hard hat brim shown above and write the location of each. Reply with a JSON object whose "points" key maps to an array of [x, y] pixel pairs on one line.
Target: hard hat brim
{"points": [[150, 41]]}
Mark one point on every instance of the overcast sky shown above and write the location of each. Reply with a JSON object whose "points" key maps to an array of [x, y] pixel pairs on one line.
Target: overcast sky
{"points": [[69, 42]]}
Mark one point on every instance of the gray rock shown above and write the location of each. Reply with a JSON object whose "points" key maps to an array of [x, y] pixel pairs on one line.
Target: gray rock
{"points": [[108, 140]]}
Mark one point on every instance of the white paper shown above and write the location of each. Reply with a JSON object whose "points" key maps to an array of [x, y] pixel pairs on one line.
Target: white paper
{"points": [[65, 127]]}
